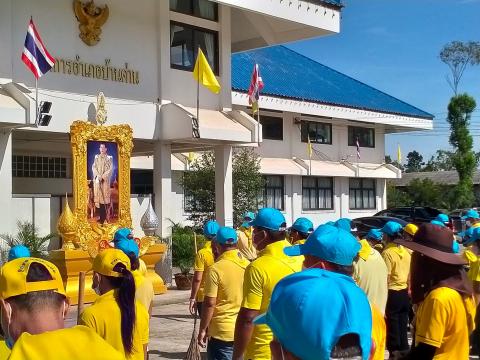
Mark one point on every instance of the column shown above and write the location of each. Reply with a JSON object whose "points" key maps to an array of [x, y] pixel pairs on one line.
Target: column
{"points": [[7, 220], [223, 185], [162, 188]]}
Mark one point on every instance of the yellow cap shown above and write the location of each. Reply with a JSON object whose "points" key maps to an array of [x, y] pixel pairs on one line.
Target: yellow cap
{"points": [[410, 229], [13, 278], [105, 261]]}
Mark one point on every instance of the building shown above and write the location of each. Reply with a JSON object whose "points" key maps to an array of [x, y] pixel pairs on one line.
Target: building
{"points": [[155, 41], [141, 57]]}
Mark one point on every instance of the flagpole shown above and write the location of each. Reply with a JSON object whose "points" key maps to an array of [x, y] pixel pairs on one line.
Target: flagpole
{"points": [[36, 101], [198, 86]]}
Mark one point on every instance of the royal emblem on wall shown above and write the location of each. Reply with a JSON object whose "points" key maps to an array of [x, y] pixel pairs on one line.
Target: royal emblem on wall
{"points": [[91, 19]]}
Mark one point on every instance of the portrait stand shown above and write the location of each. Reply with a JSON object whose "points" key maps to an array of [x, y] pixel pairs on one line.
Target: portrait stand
{"points": [[101, 193]]}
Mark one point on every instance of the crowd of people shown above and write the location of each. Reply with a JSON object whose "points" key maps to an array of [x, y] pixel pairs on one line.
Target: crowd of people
{"points": [[265, 291]]}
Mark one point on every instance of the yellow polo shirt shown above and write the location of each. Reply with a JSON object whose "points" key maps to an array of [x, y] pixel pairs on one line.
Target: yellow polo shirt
{"points": [[203, 260], [4, 350], [76, 343], [104, 317], [371, 274], [445, 320], [397, 259], [245, 243], [379, 333], [474, 265], [143, 289], [261, 276], [224, 281]]}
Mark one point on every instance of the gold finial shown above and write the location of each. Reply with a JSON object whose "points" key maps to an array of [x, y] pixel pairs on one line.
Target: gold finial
{"points": [[67, 226], [101, 116]]}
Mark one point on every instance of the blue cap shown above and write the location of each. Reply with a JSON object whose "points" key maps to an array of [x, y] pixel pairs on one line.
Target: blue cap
{"points": [[122, 234], [437, 222], [344, 223], [226, 235], [470, 236], [471, 214], [18, 251], [210, 229], [269, 218], [248, 215], [374, 234], [128, 247], [303, 225], [330, 223], [309, 311], [328, 243], [443, 218], [392, 228]]}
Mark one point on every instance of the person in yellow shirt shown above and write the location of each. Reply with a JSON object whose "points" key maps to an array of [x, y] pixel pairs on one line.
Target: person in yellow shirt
{"points": [[334, 249], [203, 260], [144, 292], [115, 315], [471, 218], [245, 241], [301, 228], [409, 231], [446, 309], [397, 258], [223, 296], [370, 271], [33, 308], [261, 276]]}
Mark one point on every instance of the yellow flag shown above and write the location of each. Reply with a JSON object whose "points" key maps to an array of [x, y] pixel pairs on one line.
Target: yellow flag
{"points": [[310, 149], [399, 154], [204, 74], [191, 157]]}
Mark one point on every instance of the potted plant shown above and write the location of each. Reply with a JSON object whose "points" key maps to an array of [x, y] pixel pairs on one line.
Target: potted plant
{"points": [[183, 255]]}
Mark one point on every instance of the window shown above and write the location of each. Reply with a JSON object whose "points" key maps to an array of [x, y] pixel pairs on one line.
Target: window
{"points": [[365, 136], [184, 43], [317, 193], [362, 194], [39, 166], [273, 192], [272, 127], [319, 133], [199, 8], [141, 182]]}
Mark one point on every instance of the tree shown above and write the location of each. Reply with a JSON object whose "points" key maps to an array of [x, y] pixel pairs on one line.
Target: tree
{"points": [[388, 160], [414, 162], [441, 161], [199, 185], [396, 196], [458, 55], [464, 159]]}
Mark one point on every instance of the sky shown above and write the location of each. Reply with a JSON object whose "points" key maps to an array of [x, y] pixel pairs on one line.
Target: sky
{"points": [[393, 45]]}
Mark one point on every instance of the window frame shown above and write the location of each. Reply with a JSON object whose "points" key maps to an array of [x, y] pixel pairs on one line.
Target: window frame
{"points": [[361, 189], [354, 141], [216, 57], [317, 189], [278, 118], [193, 11], [263, 194], [309, 123], [39, 166]]}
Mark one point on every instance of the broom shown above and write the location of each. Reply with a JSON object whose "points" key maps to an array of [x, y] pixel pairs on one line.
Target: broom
{"points": [[193, 352]]}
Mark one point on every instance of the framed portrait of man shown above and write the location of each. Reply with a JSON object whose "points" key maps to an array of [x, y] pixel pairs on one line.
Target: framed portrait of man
{"points": [[101, 179]]}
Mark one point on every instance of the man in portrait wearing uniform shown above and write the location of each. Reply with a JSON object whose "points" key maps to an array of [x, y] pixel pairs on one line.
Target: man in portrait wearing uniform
{"points": [[102, 169]]}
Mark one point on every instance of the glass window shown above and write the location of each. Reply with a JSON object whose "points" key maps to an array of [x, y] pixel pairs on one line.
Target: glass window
{"points": [[362, 193], [184, 43], [39, 167], [272, 127], [365, 136], [199, 8], [319, 133], [317, 193], [273, 192]]}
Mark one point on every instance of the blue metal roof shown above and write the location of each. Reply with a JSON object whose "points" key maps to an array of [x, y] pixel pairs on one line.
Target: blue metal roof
{"points": [[289, 74]]}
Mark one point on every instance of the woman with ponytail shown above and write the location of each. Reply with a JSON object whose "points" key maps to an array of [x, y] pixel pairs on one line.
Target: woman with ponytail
{"points": [[115, 315]]}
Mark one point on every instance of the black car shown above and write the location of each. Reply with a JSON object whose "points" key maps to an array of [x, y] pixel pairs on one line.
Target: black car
{"points": [[364, 224], [412, 214]]}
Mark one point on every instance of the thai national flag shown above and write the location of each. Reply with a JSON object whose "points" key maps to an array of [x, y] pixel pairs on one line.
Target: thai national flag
{"points": [[256, 86], [35, 55]]}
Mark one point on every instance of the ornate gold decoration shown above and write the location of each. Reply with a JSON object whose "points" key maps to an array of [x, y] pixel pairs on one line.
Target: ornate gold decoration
{"points": [[101, 116], [67, 226], [91, 19], [90, 235]]}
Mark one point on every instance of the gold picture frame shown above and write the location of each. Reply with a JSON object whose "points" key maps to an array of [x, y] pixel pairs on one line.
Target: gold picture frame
{"points": [[91, 235]]}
